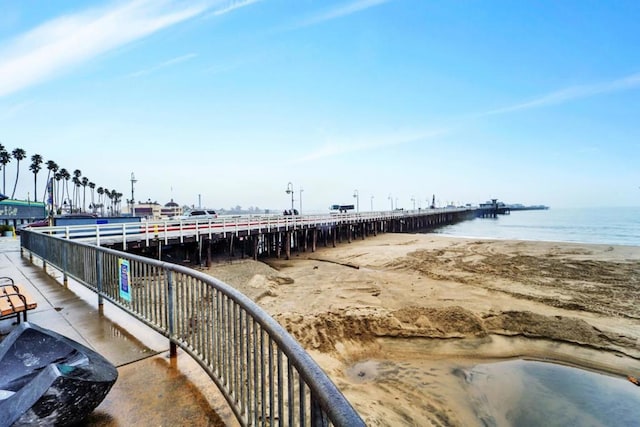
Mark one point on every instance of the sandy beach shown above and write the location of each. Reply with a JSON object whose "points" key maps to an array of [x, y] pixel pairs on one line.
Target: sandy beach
{"points": [[398, 321]]}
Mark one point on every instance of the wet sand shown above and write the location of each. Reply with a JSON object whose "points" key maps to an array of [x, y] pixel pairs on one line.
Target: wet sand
{"points": [[398, 321]]}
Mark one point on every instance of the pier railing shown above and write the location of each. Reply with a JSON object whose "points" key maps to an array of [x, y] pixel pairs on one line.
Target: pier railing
{"points": [[263, 372], [168, 229]]}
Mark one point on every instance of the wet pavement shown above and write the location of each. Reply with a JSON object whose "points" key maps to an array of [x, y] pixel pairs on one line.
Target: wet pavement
{"points": [[152, 389]]}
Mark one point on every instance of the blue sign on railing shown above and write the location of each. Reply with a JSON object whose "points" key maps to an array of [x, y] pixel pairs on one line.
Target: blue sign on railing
{"points": [[125, 279]]}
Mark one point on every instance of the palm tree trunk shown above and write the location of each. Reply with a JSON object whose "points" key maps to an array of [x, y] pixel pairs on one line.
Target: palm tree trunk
{"points": [[46, 187], [15, 184], [60, 194], [66, 184]]}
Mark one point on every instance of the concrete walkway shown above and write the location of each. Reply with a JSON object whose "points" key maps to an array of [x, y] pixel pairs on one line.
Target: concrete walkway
{"points": [[152, 389]]}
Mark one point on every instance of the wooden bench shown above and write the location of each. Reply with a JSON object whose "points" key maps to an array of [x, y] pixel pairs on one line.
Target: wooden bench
{"points": [[14, 300]]}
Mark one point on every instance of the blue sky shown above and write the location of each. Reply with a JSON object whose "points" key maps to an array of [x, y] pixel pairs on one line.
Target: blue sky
{"points": [[228, 101]]}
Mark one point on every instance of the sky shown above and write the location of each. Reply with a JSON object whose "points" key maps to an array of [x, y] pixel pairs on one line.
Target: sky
{"points": [[377, 103]]}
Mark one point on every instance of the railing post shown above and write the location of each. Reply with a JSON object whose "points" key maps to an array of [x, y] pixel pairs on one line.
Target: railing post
{"points": [[318, 417], [99, 279], [65, 276], [173, 348]]}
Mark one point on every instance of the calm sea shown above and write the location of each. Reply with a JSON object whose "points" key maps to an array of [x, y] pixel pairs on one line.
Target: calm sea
{"points": [[613, 226]]}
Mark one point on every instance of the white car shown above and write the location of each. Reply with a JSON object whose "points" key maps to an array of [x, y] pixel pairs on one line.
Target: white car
{"points": [[199, 214]]}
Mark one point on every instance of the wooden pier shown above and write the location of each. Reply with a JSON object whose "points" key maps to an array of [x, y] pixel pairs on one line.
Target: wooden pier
{"points": [[199, 242]]}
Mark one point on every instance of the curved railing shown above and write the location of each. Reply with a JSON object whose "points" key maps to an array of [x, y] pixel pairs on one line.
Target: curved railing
{"points": [[263, 372]]}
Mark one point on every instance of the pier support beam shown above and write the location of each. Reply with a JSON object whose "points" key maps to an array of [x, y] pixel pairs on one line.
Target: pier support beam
{"points": [[314, 241], [287, 245], [278, 245], [306, 239], [255, 247]]}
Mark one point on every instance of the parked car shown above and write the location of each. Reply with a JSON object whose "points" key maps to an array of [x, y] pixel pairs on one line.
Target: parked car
{"points": [[199, 214], [39, 223]]}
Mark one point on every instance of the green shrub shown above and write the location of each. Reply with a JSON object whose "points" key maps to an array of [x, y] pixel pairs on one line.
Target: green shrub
{"points": [[5, 227]]}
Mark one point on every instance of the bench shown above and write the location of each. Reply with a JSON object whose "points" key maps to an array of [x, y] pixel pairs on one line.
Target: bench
{"points": [[14, 300]]}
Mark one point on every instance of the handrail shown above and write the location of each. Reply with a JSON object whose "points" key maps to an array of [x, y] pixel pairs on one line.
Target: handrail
{"points": [[181, 228], [263, 372]]}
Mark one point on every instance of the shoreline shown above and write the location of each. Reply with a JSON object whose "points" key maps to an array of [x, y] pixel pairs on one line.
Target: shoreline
{"points": [[405, 311], [507, 239]]}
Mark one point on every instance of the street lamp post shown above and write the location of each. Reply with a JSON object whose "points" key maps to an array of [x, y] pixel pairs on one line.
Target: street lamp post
{"points": [[391, 200], [372, 203], [301, 190], [133, 200], [290, 191], [413, 199], [356, 194]]}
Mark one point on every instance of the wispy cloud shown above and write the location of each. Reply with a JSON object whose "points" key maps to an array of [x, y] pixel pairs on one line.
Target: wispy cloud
{"points": [[237, 63], [233, 5], [572, 93], [338, 146], [164, 64], [344, 145], [340, 11], [63, 43], [12, 110]]}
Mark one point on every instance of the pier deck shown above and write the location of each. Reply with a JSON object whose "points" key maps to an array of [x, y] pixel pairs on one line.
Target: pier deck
{"points": [[274, 235]]}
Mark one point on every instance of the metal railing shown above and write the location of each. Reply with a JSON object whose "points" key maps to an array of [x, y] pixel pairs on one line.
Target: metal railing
{"points": [[263, 372], [181, 229]]}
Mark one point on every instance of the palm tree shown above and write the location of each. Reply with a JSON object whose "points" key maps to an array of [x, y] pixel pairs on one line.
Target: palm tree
{"points": [[5, 158], [92, 186], [118, 201], [107, 193], [58, 176], [84, 181], [66, 176], [76, 185], [18, 154], [76, 192], [51, 167], [100, 199], [36, 162]]}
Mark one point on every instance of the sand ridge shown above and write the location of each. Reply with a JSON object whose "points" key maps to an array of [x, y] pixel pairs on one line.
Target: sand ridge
{"points": [[402, 312]]}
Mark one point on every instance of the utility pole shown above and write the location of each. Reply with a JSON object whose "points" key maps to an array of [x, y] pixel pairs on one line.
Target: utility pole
{"points": [[356, 195], [133, 200]]}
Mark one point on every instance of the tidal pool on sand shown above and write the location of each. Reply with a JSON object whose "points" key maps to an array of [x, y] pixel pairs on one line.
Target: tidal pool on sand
{"points": [[528, 393]]}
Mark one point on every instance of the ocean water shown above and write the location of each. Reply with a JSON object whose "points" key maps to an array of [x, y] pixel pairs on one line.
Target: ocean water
{"points": [[613, 226]]}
